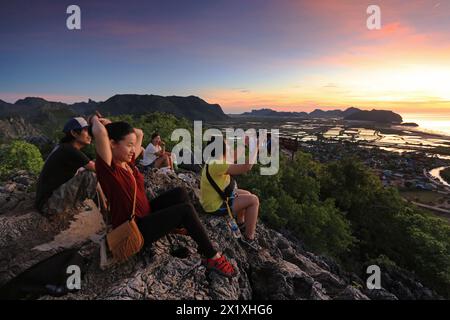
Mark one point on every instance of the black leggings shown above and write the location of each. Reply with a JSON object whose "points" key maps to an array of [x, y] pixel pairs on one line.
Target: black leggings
{"points": [[171, 210]]}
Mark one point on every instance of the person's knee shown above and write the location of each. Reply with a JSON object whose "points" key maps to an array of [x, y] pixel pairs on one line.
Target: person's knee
{"points": [[255, 200], [179, 193], [188, 210], [182, 192]]}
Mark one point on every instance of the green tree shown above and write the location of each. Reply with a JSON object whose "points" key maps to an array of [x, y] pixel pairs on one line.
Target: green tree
{"points": [[20, 155], [290, 200], [385, 225], [163, 123]]}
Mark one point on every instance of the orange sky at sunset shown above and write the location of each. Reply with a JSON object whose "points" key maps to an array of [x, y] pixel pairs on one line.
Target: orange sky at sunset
{"points": [[405, 66], [283, 54]]}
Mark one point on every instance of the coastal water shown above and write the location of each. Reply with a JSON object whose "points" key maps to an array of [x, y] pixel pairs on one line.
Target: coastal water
{"points": [[436, 123], [432, 136]]}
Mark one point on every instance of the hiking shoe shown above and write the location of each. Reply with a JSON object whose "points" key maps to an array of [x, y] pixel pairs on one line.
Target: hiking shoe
{"points": [[253, 244], [220, 266]]}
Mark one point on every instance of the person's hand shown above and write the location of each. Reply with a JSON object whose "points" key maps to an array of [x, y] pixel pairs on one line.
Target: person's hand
{"points": [[104, 121], [97, 115], [138, 132], [90, 118]]}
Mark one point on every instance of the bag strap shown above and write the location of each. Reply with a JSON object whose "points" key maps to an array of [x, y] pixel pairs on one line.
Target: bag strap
{"points": [[214, 184], [133, 213], [220, 192]]}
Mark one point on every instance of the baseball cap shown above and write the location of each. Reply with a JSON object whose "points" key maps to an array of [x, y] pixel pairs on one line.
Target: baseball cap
{"points": [[77, 123]]}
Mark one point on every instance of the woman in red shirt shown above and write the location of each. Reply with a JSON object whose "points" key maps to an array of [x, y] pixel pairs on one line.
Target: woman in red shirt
{"points": [[118, 145]]}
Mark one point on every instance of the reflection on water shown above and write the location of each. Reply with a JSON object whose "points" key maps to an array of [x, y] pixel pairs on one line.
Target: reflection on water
{"points": [[390, 142], [391, 138], [437, 174], [439, 123]]}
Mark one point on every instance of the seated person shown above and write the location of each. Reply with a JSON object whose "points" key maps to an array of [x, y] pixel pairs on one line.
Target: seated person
{"points": [[243, 204], [155, 155], [118, 145], [67, 177]]}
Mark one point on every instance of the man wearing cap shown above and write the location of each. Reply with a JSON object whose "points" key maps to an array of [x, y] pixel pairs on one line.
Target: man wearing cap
{"points": [[67, 177]]}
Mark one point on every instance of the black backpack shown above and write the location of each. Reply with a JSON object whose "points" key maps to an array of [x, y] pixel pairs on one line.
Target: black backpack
{"points": [[48, 277]]}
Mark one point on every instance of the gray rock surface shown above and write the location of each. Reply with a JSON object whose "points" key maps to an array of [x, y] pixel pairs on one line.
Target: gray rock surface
{"points": [[282, 269]]}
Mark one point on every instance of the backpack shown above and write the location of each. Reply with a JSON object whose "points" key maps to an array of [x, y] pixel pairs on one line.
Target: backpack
{"points": [[48, 277]]}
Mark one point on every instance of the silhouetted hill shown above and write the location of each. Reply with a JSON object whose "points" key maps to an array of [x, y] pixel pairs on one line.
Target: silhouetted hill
{"points": [[43, 115], [33, 102], [33, 109], [317, 113], [349, 111], [384, 116], [38, 116], [190, 107], [85, 107], [266, 112], [38, 110], [4, 106]]}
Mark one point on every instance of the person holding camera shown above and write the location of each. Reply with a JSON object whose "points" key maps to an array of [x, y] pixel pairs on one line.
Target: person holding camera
{"points": [[217, 183]]}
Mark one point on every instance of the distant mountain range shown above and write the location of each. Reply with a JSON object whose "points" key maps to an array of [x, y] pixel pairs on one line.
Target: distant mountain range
{"points": [[38, 109], [36, 118], [384, 116]]}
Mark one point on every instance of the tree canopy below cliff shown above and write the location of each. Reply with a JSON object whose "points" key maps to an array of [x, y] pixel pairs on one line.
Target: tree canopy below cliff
{"points": [[342, 209]]}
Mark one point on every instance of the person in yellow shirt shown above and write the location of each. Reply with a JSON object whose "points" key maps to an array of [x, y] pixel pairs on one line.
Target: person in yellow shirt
{"points": [[243, 203]]}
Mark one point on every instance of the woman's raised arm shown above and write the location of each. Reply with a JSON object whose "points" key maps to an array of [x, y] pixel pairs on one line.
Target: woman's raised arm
{"points": [[139, 138], [102, 144]]}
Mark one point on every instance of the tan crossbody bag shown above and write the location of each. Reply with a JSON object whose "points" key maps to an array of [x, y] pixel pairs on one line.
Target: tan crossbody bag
{"points": [[126, 240]]}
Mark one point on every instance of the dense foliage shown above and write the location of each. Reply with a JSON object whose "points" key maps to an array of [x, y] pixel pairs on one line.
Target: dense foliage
{"points": [[163, 123], [342, 209], [339, 208], [19, 155]]}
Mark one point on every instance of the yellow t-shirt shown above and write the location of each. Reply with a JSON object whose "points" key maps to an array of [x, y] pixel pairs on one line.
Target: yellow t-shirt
{"points": [[209, 198]]}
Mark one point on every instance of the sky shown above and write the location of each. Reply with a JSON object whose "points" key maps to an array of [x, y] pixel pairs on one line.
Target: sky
{"points": [[247, 54]]}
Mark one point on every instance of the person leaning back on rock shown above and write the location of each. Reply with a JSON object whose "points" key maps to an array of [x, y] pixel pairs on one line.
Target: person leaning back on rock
{"points": [[118, 145]]}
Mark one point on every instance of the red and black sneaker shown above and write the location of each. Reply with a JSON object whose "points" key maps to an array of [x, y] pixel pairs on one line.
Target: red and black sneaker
{"points": [[220, 266]]}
